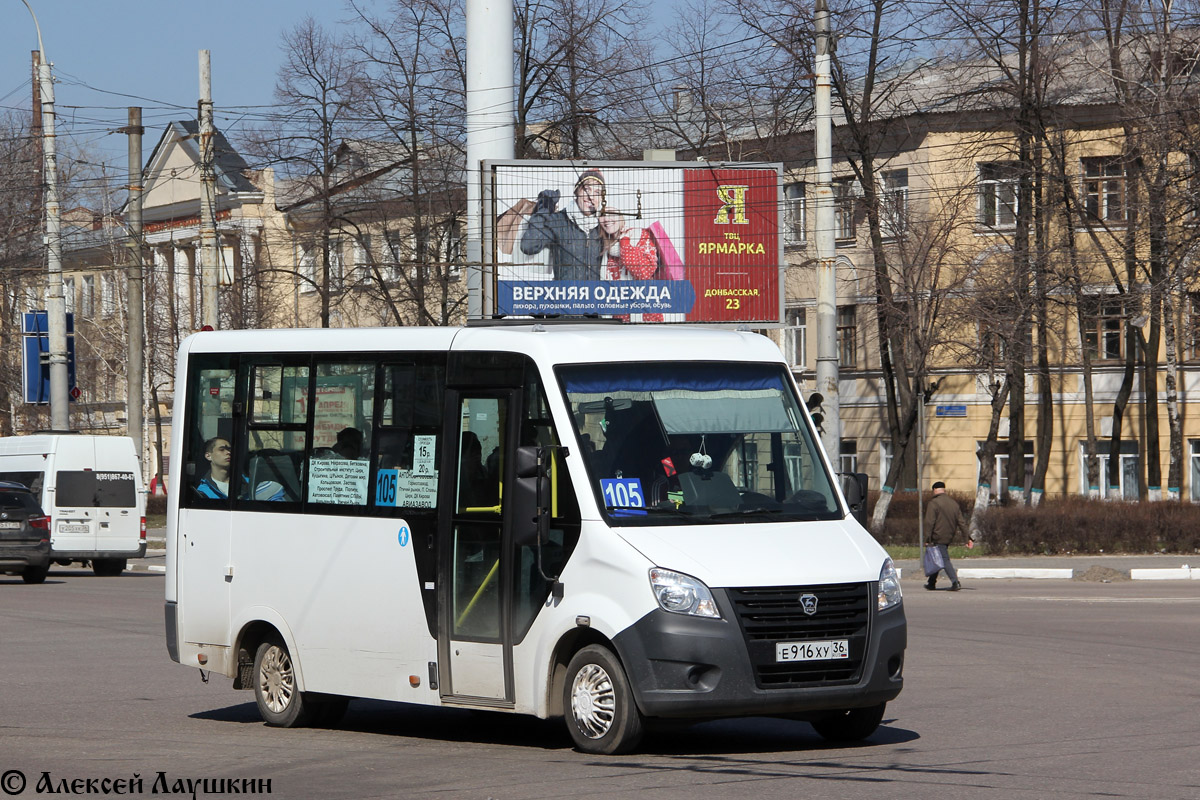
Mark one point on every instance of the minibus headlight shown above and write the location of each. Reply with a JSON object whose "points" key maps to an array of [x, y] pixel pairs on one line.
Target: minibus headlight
{"points": [[889, 586], [682, 594]]}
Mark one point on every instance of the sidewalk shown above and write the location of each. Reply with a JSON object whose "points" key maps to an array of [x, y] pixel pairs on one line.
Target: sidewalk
{"points": [[1079, 567]]}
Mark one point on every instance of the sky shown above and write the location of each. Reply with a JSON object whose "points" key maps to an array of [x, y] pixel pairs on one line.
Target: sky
{"points": [[112, 54]]}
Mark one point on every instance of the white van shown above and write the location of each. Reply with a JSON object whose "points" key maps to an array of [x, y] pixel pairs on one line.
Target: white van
{"points": [[90, 487]]}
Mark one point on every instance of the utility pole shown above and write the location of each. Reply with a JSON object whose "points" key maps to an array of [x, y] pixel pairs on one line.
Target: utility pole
{"points": [[56, 307], [491, 110], [135, 378], [208, 199], [827, 351]]}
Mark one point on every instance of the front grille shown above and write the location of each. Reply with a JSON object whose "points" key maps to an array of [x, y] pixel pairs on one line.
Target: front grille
{"points": [[772, 614]]}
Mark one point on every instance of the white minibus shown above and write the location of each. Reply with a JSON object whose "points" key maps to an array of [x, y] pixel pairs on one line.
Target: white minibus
{"points": [[613, 524], [90, 487]]}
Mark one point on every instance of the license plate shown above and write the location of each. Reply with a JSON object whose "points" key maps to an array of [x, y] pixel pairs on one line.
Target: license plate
{"points": [[10, 526], [67, 527], [812, 651]]}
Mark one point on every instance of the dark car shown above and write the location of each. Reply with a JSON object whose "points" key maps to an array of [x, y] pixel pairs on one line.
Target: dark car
{"points": [[24, 534]]}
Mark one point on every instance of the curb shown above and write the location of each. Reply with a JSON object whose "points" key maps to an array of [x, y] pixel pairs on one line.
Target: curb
{"points": [[1184, 573], [1043, 574]]}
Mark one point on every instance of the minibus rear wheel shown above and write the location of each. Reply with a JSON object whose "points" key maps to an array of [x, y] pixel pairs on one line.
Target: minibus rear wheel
{"points": [[280, 702], [598, 705], [851, 725]]}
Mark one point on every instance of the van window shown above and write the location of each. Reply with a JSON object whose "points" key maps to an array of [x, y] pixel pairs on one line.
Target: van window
{"points": [[30, 480], [87, 489]]}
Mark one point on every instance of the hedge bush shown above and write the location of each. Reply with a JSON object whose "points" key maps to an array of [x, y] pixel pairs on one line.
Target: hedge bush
{"points": [[1063, 526], [156, 504]]}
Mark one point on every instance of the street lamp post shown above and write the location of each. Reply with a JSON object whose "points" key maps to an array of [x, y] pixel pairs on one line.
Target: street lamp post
{"points": [[56, 308]]}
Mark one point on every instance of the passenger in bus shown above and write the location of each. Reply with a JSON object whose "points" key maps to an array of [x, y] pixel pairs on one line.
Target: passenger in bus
{"points": [[477, 489], [349, 444], [215, 483]]}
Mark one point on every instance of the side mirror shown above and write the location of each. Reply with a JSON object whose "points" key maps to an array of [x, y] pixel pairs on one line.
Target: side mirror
{"points": [[527, 461], [532, 486], [854, 487]]}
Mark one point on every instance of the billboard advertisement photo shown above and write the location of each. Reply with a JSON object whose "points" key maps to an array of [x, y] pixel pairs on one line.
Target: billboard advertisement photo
{"points": [[636, 241]]}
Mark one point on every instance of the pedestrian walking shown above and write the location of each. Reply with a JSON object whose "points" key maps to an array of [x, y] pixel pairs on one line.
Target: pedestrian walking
{"points": [[943, 521]]}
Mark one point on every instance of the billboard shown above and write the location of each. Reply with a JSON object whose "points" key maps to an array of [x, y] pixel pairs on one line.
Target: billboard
{"points": [[637, 241]]}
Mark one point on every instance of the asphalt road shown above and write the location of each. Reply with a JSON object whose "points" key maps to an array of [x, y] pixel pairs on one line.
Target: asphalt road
{"points": [[1015, 689]]}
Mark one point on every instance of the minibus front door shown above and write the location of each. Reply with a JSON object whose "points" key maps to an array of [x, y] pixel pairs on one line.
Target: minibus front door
{"points": [[474, 622]]}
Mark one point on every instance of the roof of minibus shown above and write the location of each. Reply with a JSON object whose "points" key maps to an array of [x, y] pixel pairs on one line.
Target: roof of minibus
{"points": [[547, 344]]}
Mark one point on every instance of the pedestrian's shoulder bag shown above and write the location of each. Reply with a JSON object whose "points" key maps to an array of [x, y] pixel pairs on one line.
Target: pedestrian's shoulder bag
{"points": [[932, 560]]}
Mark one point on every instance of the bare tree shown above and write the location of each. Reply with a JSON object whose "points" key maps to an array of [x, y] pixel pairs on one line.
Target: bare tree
{"points": [[577, 76], [20, 252], [321, 88]]}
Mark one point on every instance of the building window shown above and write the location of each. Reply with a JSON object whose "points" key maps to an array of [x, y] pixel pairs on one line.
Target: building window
{"points": [[794, 213], [885, 461], [361, 258], [337, 264], [995, 342], [844, 196], [1104, 189], [398, 253], [108, 296], [893, 206], [848, 456], [69, 294], [1126, 479], [87, 296], [1194, 470], [795, 337], [999, 487], [306, 267], [998, 194], [226, 266], [1190, 329], [1104, 336], [847, 336]]}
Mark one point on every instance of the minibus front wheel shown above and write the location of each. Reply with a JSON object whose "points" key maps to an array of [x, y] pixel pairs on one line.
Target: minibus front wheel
{"points": [[851, 725], [601, 714]]}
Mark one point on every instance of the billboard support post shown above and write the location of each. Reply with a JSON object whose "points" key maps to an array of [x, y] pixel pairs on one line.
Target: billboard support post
{"points": [[491, 111]]}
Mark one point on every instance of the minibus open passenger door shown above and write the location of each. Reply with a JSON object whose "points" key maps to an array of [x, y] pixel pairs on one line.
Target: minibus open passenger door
{"points": [[475, 637]]}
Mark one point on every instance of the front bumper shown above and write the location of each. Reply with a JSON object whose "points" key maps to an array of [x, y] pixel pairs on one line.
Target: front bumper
{"points": [[688, 667]]}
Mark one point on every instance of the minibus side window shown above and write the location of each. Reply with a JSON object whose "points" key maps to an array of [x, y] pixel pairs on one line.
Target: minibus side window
{"points": [[408, 442], [275, 437], [338, 469], [209, 431]]}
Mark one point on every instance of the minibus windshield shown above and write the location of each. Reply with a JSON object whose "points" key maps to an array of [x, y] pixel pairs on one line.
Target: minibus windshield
{"points": [[698, 441]]}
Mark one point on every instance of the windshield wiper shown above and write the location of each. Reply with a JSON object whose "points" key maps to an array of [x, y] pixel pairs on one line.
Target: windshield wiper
{"points": [[661, 510], [746, 512]]}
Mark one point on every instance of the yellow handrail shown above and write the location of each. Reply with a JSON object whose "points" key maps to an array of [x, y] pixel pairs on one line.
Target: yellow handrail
{"points": [[478, 593]]}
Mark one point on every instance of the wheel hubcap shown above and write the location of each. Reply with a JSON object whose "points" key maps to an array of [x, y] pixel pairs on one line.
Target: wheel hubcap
{"points": [[276, 679], [593, 701]]}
